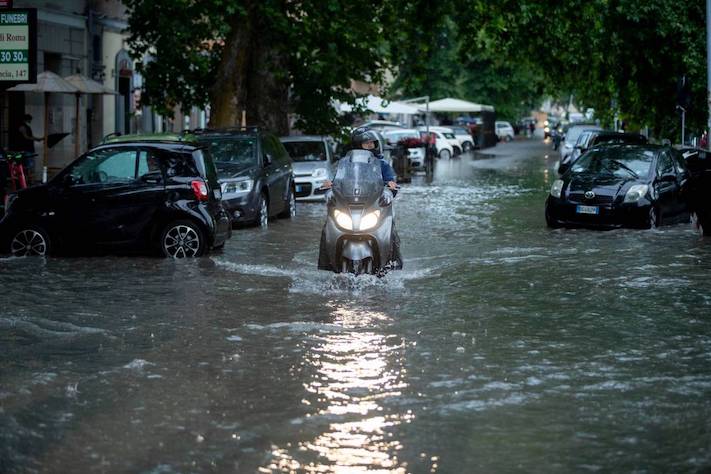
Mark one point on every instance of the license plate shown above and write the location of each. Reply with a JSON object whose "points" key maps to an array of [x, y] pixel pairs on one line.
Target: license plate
{"points": [[298, 188], [587, 210]]}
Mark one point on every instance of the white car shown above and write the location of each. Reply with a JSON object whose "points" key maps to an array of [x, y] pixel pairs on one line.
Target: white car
{"points": [[314, 161], [457, 142], [443, 143], [417, 154], [504, 131], [464, 136]]}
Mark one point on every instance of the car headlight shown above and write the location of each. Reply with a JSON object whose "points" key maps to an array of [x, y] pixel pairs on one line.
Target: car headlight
{"points": [[636, 192], [319, 173], [557, 188], [242, 186], [369, 220], [343, 220]]}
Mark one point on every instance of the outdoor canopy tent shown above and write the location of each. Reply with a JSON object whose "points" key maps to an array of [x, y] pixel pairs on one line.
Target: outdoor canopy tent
{"points": [[379, 105], [455, 105]]}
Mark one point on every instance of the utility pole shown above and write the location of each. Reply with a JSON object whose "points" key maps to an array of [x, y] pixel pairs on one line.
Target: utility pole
{"points": [[708, 63]]}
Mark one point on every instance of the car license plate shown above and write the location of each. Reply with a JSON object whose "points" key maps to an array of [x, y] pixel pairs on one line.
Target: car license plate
{"points": [[298, 188], [587, 210]]}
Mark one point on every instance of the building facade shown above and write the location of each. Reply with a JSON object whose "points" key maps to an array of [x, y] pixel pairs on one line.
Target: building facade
{"points": [[86, 37]]}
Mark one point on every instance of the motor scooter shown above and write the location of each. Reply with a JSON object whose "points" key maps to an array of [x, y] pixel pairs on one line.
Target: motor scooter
{"points": [[359, 235]]}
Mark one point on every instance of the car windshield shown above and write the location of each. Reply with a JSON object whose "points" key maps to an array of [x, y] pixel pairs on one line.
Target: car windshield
{"points": [[574, 132], [623, 163], [306, 151], [234, 152], [460, 131]]}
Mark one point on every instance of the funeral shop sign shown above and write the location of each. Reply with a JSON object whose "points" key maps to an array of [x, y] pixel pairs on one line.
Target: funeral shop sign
{"points": [[18, 45]]}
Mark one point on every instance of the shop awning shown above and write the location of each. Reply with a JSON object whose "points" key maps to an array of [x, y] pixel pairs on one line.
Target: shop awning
{"points": [[379, 105], [455, 105]]}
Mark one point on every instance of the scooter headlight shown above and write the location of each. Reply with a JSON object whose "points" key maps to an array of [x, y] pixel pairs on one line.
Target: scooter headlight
{"points": [[369, 220], [343, 220]]}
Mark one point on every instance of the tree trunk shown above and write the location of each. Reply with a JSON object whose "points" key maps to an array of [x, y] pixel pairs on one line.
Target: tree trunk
{"points": [[252, 76], [229, 93]]}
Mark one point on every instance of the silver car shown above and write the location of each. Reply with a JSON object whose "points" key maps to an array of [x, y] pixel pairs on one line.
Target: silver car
{"points": [[314, 161]]}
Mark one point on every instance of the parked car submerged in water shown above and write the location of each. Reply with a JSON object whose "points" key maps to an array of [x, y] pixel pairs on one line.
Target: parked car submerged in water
{"points": [[314, 160], [153, 193], [255, 174], [620, 186], [698, 194]]}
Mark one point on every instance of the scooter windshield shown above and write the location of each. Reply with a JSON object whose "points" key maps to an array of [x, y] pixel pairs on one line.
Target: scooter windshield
{"points": [[358, 177]]}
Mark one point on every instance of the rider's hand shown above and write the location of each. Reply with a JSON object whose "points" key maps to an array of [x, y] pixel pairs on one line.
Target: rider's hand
{"points": [[392, 185], [327, 184]]}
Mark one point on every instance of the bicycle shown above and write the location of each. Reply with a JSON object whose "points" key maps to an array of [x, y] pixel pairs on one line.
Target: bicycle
{"points": [[16, 174]]}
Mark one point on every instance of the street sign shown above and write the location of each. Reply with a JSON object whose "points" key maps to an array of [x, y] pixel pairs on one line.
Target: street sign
{"points": [[18, 46]]}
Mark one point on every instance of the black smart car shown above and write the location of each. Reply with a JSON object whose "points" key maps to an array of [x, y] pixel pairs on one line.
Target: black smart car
{"points": [[134, 193], [254, 171], [620, 186]]}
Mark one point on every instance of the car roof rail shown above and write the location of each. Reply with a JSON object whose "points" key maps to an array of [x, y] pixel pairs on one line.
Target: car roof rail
{"points": [[249, 129], [110, 136]]}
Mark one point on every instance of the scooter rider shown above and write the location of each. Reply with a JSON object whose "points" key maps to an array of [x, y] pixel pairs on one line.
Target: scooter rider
{"points": [[367, 140]]}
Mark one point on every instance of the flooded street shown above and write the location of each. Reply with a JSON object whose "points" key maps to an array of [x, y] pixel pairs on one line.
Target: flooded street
{"points": [[503, 346]]}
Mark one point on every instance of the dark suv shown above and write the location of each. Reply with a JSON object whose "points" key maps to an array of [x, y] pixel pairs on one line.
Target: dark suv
{"points": [[255, 173], [134, 193]]}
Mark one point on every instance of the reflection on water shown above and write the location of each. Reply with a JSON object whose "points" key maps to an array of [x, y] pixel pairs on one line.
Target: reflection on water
{"points": [[353, 372]]}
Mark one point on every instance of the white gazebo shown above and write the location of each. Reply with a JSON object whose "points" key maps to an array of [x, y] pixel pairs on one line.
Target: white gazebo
{"points": [[379, 105], [454, 105]]}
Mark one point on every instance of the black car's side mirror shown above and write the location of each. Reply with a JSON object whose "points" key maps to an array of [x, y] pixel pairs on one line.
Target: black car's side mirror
{"points": [[151, 178], [68, 180], [268, 160]]}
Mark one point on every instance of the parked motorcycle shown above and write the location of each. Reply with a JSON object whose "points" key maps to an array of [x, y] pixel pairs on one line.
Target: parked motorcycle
{"points": [[359, 235]]}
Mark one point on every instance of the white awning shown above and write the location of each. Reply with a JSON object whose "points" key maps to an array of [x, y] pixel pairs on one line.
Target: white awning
{"points": [[379, 105], [455, 105]]}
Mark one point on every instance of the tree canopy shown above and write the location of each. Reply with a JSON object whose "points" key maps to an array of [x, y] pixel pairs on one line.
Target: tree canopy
{"points": [[272, 58], [617, 56]]}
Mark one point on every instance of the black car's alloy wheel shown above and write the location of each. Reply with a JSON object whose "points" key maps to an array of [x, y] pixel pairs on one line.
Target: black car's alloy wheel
{"points": [[182, 239], [290, 209], [654, 220], [30, 241], [698, 225], [263, 212]]}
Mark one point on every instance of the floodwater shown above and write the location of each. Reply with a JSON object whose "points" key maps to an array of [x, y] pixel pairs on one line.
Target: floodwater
{"points": [[502, 346]]}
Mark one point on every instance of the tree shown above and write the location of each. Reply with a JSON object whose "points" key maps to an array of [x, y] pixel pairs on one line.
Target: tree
{"points": [[617, 56], [433, 56], [262, 58]]}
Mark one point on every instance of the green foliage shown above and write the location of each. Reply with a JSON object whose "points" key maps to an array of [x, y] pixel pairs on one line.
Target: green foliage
{"points": [[327, 44], [619, 56], [434, 56]]}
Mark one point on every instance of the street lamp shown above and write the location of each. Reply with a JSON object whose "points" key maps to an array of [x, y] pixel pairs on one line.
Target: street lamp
{"points": [[683, 122]]}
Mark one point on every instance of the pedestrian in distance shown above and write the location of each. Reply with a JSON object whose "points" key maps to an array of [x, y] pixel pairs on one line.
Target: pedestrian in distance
{"points": [[26, 143]]}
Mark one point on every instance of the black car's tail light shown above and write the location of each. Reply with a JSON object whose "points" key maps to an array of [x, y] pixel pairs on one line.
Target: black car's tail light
{"points": [[200, 190]]}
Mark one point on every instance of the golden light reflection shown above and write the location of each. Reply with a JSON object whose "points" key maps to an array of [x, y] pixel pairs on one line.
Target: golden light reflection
{"points": [[354, 371]]}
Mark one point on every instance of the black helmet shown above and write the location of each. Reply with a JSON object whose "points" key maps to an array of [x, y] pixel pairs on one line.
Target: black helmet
{"points": [[362, 135]]}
